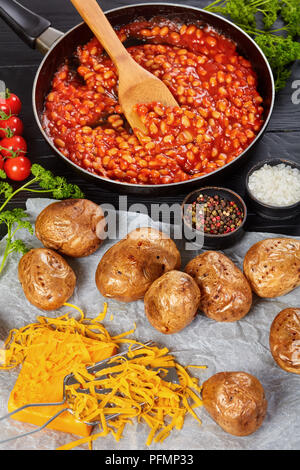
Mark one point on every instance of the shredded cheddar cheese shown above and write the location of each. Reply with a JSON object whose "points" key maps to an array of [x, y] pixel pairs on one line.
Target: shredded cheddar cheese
{"points": [[134, 386], [19, 342]]}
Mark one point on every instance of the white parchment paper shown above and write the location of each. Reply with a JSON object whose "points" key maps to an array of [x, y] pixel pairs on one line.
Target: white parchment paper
{"points": [[243, 345]]}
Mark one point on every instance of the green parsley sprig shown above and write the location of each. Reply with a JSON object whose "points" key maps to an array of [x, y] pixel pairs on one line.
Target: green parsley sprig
{"points": [[43, 182], [280, 52], [290, 12], [14, 221], [279, 45]]}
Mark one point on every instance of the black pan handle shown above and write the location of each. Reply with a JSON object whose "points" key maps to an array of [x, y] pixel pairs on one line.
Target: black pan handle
{"points": [[28, 25]]}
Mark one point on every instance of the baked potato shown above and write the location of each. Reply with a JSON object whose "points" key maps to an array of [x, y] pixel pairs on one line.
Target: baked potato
{"points": [[226, 295], [172, 301], [127, 269], [46, 278], [236, 401], [272, 266], [73, 227], [285, 339]]}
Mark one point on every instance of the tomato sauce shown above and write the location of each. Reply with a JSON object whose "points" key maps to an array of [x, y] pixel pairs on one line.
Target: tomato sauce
{"points": [[220, 109]]}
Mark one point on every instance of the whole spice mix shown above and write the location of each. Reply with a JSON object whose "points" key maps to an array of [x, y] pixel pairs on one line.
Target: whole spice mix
{"points": [[214, 215]]}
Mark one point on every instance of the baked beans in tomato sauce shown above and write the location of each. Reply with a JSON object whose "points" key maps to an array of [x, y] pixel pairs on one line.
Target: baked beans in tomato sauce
{"points": [[220, 109]]}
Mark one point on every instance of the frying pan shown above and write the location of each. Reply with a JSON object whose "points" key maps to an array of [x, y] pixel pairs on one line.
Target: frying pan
{"points": [[38, 33]]}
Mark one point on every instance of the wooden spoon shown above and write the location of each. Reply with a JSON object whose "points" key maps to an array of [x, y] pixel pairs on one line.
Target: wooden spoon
{"points": [[136, 85]]}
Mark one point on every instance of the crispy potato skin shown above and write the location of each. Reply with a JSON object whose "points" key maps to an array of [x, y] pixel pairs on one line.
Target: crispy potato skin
{"points": [[127, 269], [46, 278], [226, 295], [71, 227], [272, 266], [285, 339], [236, 401], [172, 301]]}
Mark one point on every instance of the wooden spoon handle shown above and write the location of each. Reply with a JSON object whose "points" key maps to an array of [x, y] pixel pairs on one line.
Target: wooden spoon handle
{"points": [[92, 14]]}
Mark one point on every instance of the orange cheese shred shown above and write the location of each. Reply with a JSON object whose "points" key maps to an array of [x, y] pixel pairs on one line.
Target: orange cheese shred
{"points": [[134, 385], [138, 390]]}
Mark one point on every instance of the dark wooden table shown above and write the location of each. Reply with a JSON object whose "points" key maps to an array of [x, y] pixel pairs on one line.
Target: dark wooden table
{"points": [[18, 65]]}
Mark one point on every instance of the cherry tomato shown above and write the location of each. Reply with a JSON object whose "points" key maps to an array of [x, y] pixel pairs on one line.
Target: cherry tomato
{"points": [[1, 163], [3, 129], [13, 146], [4, 106], [11, 126], [13, 102], [18, 168]]}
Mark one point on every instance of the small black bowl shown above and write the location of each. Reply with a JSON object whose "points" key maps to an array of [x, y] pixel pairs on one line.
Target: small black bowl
{"points": [[266, 210], [210, 241]]}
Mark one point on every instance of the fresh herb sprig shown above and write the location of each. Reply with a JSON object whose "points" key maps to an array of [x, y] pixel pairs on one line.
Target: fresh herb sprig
{"points": [[43, 182], [280, 52], [290, 13], [279, 45], [56, 186], [14, 221]]}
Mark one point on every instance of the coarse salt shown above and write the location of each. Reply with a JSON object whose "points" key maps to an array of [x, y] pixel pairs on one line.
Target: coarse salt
{"points": [[277, 185]]}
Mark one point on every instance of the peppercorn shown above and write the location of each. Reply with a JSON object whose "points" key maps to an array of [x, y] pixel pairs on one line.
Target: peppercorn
{"points": [[217, 215]]}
